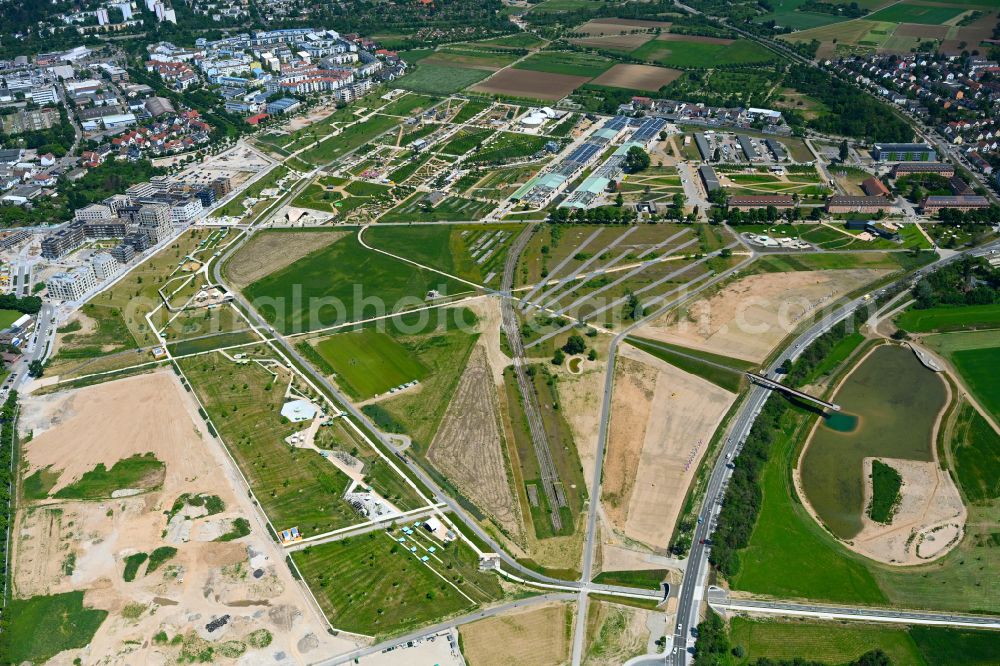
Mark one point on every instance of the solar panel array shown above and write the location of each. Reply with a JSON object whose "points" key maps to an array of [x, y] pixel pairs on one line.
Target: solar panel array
{"points": [[583, 153], [617, 123], [649, 128]]}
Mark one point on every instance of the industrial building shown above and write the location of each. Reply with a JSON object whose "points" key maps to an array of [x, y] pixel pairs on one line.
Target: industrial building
{"points": [[776, 149], [746, 145], [708, 178], [703, 148]]}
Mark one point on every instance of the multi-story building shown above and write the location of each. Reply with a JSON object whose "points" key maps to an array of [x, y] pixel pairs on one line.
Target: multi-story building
{"points": [[911, 152], [62, 240], [104, 266], [14, 238], [124, 253], [940, 168], [749, 202], [44, 95], [73, 284], [139, 241], [93, 213], [933, 204], [154, 221], [847, 204], [116, 227]]}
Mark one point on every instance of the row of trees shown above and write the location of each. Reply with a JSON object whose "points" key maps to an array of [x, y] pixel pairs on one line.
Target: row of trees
{"points": [[955, 217], [598, 215], [7, 443]]}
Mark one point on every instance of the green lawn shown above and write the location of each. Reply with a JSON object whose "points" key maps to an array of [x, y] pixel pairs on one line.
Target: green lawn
{"points": [[373, 584], [38, 628], [369, 362], [980, 369], [976, 449], [447, 247], [827, 642], [340, 283], [296, 487], [950, 318], [701, 54], [405, 105], [645, 578], [957, 647], [440, 79], [8, 317], [349, 139], [573, 63], [465, 141]]}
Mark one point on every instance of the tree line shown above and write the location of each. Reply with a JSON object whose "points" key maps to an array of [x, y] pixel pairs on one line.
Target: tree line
{"points": [[970, 281]]}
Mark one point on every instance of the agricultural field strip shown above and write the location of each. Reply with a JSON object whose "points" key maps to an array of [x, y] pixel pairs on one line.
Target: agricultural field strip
{"points": [[653, 301], [560, 283], [632, 273], [414, 263], [610, 267], [569, 257]]}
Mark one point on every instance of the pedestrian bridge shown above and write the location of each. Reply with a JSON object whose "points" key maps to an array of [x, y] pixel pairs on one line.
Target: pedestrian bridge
{"points": [[761, 380]]}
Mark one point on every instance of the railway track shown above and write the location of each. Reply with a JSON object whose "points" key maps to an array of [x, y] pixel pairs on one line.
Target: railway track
{"points": [[551, 485]]}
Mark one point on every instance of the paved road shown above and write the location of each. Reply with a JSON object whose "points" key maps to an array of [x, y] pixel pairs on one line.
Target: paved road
{"points": [[720, 599]]}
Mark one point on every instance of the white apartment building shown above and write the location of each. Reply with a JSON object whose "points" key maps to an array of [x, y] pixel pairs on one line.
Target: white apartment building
{"points": [[93, 213], [72, 285], [105, 266]]}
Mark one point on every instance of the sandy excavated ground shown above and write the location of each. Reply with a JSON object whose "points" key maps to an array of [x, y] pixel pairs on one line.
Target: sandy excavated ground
{"points": [[683, 413], [468, 446], [634, 386], [580, 395], [533, 637], [205, 579], [928, 523], [749, 317]]}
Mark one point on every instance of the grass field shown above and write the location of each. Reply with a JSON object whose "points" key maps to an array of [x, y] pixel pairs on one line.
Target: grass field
{"points": [[912, 12], [340, 283], [8, 317], [826, 642], [38, 628], [976, 450], [818, 261], [979, 368], [440, 79], [369, 362], [449, 248], [349, 139], [296, 487], [645, 578], [702, 54], [374, 584], [950, 318], [573, 63]]}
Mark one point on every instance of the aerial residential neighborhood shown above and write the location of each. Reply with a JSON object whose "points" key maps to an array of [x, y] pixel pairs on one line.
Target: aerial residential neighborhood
{"points": [[487, 332]]}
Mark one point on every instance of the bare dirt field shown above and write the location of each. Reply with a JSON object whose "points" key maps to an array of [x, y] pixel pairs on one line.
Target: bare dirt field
{"points": [[685, 410], [266, 253], [468, 447], [615, 633], [748, 318], [928, 522], [534, 637], [580, 395], [670, 37], [526, 83], [638, 77], [82, 545], [615, 42], [923, 31], [610, 25], [239, 164], [635, 383]]}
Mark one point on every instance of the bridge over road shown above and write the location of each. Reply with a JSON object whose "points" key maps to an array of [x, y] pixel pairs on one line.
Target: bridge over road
{"points": [[777, 386]]}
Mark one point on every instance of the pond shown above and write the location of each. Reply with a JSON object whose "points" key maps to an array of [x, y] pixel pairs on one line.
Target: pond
{"points": [[889, 404]]}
